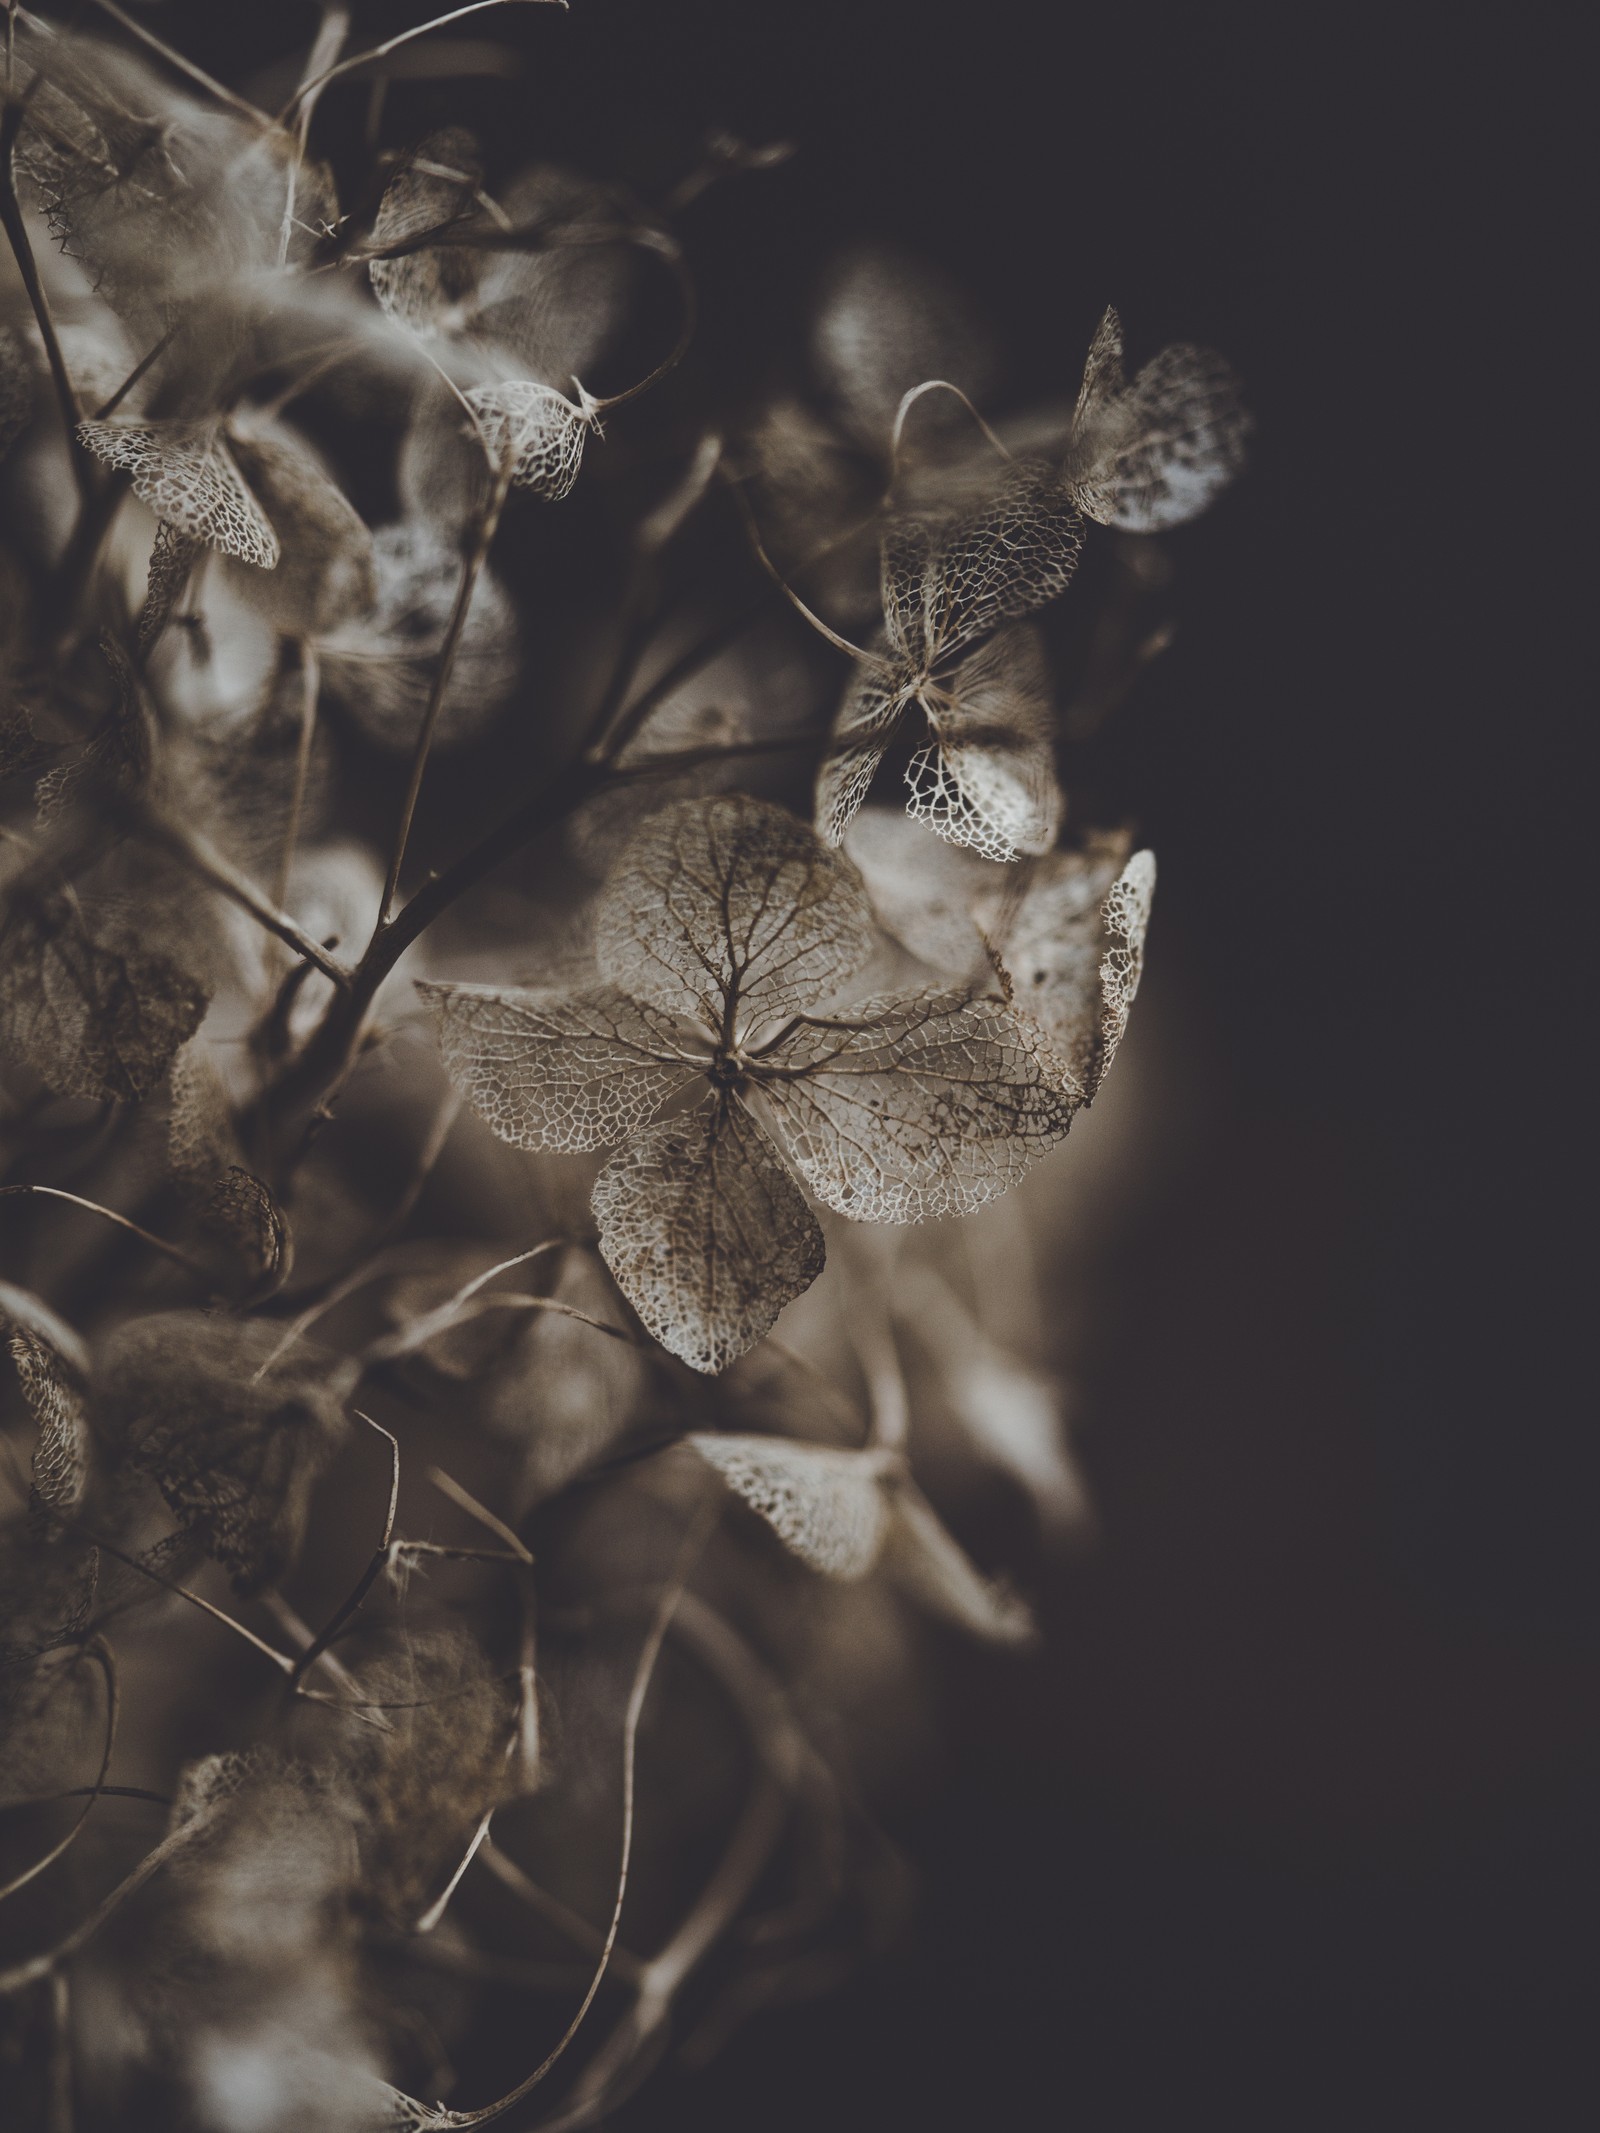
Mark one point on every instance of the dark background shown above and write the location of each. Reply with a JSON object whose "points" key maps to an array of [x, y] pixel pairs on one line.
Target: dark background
{"points": [[1292, 1821]]}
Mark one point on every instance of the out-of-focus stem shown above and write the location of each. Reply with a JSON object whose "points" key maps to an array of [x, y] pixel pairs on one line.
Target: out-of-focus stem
{"points": [[16, 229], [471, 570]]}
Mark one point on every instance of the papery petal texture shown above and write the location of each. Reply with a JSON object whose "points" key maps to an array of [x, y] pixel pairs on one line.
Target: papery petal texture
{"points": [[550, 1069], [731, 906], [706, 1233]]}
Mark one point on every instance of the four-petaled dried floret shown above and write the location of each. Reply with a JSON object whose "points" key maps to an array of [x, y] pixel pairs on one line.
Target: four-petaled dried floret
{"points": [[951, 580], [724, 939]]}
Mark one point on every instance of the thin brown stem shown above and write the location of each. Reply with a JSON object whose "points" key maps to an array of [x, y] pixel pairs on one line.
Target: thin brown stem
{"points": [[203, 860], [310, 681], [174, 1252], [477, 556], [187, 67], [332, 31], [464, 1500], [369, 1577], [140, 370], [100, 1652], [393, 44], [16, 229], [643, 1673]]}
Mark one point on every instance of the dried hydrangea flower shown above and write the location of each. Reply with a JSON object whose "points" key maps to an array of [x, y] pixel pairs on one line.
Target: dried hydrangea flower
{"points": [[950, 579], [1151, 455], [722, 931]]}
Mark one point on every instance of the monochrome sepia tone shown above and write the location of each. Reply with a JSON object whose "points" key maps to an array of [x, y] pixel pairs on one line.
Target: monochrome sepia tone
{"points": [[530, 1124]]}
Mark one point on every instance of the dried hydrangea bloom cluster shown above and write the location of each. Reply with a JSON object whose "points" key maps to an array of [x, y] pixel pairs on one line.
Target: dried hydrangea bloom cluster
{"points": [[418, 1180]]}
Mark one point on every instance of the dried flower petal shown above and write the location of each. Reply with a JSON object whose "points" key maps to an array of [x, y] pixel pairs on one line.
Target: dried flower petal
{"points": [[203, 1148], [828, 1507], [533, 433], [173, 554], [885, 324], [988, 779], [922, 1558], [185, 473], [553, 1069], [706, 1233], [862, 730], [92, 1013], [380, 665], [557, 309], [1072, 942], [431, 288], [916, 1108], [326, 574], [421, 1786], [950, 578], [923, 889], [53, 1371], [729, 909], [1152, 455]]}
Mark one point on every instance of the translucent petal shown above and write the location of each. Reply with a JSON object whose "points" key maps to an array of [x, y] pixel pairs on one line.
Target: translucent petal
{"points": [[706, 1233], [916, 1107], [380, 665], [91, 1011], [996, 803], [52, 1369], [931, 1569], [923, 889], [885, 324], [950, 579], [535, 432], [1071, 973], [559, 308], [172, 558], [326, 572], [557, 1069], [1127, 918], [184, 472], [431, 289], [208, 1163], [1010, 1412], [731, 905], [1103, 376], [1153, 454], [828, 1507], [862, 730], [161, 199], [989, 779]]}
